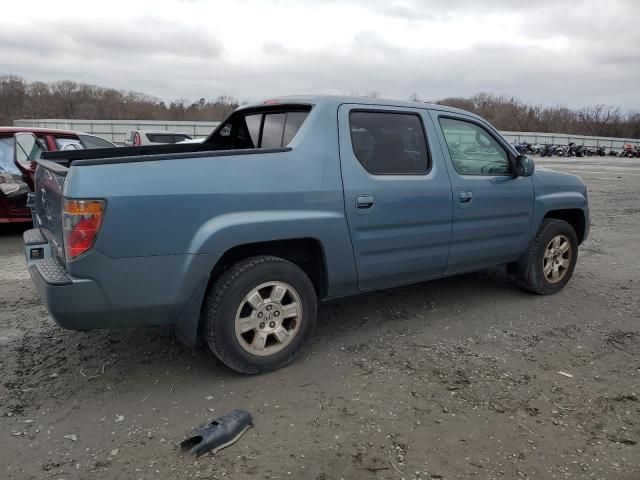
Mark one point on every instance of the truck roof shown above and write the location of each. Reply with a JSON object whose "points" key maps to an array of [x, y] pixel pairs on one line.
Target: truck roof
{"points": [[340, 99]]}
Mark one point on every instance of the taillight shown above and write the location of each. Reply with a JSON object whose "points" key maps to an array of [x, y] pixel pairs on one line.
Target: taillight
{"points": [[136, 139], [81, 220]]}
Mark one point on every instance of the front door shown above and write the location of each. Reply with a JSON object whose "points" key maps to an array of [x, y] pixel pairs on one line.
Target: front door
{"points": [[397, 194], [492, 207]]}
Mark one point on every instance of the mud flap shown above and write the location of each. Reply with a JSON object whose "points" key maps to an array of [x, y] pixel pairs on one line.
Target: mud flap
{"points": [[218, 434]]}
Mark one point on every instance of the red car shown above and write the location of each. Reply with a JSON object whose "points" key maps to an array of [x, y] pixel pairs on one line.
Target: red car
{"points": [[17, 180]]}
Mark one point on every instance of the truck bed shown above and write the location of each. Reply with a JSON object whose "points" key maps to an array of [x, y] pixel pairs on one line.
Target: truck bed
{"points": [[101, 156]]}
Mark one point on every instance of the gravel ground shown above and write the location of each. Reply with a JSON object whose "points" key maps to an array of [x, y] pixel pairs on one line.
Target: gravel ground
{"points": [[453, 378]]}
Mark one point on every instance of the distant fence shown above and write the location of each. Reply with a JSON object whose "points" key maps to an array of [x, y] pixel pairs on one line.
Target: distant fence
{"points": [[563, 139], [115, 130]]}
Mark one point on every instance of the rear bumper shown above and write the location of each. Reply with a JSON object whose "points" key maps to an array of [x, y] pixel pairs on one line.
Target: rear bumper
{"points": [[104, 292], [76, 304]]}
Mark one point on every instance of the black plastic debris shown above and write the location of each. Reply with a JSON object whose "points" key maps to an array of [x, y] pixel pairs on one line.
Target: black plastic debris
{"points": [[218, 434]]}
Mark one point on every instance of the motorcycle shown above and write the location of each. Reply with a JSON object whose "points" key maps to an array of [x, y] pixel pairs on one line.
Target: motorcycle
{"points": [[570, 150], [523, 148], [601, 152], [546, 150], [628, 151], [559, 150]]}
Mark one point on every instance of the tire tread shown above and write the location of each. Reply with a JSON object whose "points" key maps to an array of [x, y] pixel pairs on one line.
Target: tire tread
{"points": [[213, 304]]}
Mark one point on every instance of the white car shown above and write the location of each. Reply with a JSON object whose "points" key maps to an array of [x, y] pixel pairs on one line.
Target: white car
{"points": [[151, 137]]}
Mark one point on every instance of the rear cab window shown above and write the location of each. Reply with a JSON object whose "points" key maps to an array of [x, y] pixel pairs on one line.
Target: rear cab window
{"points": [[262, 127]]}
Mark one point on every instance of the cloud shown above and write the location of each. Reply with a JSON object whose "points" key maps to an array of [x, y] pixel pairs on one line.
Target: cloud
{"points": [[112, 38], [548, 51]]}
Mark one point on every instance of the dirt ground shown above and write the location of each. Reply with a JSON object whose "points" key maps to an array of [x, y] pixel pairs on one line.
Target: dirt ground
{"points": [[454, 378]]}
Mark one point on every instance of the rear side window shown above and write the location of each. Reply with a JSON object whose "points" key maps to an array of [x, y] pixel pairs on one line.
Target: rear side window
{"points": [[389, 143]]}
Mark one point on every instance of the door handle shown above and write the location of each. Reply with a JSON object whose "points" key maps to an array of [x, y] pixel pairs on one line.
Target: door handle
{"points": [[466, 197], [364, 201]]}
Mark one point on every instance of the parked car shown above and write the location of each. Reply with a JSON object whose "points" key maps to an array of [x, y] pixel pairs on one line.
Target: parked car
{"points": [[286, 204], [16, 180], [148, 137]]}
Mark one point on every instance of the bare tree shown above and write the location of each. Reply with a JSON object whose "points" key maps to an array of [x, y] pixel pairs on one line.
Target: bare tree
{"points": [[68, 99]]}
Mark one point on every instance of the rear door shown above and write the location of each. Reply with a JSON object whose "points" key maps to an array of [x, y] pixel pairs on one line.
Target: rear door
{"points": [[492, 207], [397, 194]]}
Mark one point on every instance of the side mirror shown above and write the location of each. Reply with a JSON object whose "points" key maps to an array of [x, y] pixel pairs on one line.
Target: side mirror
{"points": [[525, 166], [27, 149]]}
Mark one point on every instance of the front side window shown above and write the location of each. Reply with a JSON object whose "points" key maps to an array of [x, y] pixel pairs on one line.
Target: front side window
{"points": [[389, 143], [473, 150]]}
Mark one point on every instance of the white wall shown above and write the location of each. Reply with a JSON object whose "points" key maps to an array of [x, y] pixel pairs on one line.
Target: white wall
{"points": [[115, 130]]}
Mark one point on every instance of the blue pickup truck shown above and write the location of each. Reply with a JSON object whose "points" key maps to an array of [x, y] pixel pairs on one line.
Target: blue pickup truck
{"points": [[287, 203]]}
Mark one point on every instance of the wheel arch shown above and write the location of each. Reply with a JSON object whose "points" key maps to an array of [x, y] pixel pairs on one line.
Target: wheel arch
{"points": [[308, 253], [574, 217]]}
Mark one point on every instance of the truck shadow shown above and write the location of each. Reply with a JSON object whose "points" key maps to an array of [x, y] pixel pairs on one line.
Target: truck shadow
{"points": [[424, 302], [153, 359]]}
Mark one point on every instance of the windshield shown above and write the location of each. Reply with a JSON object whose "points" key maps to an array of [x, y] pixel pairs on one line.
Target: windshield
{"points": [[7, 164]]}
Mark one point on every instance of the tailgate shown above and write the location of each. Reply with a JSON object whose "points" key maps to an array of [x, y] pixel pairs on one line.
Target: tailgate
{"points": [[49, 183]]}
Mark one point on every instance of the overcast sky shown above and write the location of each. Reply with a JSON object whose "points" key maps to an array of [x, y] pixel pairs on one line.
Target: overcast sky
{"points": [[569, 52]]}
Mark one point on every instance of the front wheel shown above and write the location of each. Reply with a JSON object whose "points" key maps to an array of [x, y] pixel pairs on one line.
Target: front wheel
{"points": [[551, 258], [259, 313]]}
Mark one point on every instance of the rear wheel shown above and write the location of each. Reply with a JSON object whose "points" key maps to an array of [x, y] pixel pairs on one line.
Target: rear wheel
{"points": [[551, 258], [259, 313]]}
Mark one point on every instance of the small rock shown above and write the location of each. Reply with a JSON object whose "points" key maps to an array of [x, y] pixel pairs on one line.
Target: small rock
{"points": [[119, 418], [114, 452], [73, 438]]}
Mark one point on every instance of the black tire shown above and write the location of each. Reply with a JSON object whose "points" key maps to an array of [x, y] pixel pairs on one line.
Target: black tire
{"points": [[533, 277], [228, 293]]}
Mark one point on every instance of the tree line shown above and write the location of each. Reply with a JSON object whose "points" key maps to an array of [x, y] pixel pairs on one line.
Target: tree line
{"points": [[510, 114], [67, 99]]}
